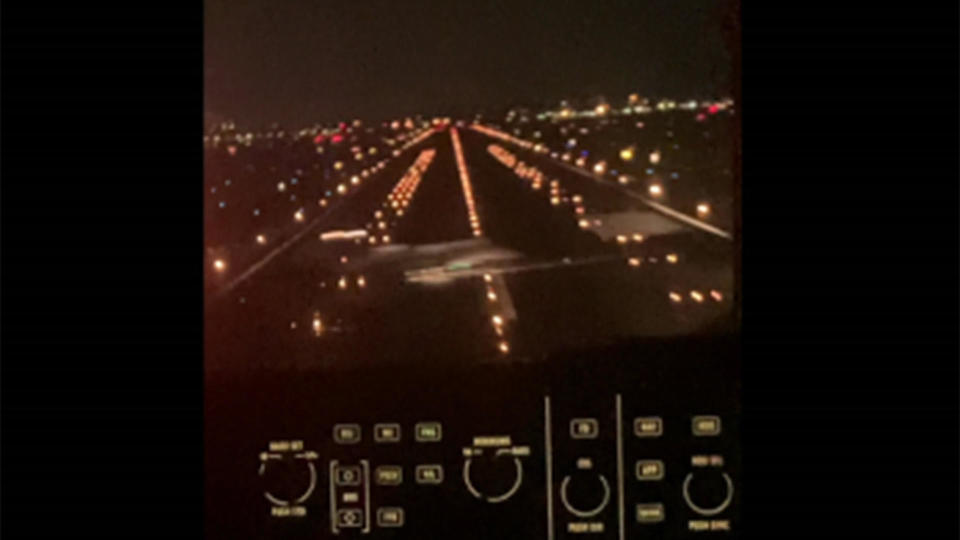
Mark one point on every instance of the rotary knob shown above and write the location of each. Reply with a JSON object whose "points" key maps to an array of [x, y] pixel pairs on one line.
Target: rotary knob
{"points": [[585, 493], [493, 479], [708, 492], [287, 478]]}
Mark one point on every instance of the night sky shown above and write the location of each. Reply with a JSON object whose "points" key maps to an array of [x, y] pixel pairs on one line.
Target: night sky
{"points": [[303, 61]]}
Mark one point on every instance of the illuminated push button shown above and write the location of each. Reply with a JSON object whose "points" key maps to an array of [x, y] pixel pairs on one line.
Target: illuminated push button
{"points": [[429, 474], [650, 513], [349, 518], [390, 517], [584, 428], [648, 426], [386, 433], [706, 426], [346, 433], [650, 469], [347, 475], [388, 475], [428, 432]]}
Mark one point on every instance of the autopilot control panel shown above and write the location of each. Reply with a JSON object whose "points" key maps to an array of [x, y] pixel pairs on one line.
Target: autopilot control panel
{"points": [[641, 446]]}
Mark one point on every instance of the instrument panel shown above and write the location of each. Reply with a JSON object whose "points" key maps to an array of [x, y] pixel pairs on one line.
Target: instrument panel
{"points": [[629, 441]]}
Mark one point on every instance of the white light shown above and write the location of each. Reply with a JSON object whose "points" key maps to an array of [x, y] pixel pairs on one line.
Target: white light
{"points": [[361, 282], [697, 296], [655, 157], [341, 189], [261, 239], [703, 209], [281, 187], [219, 265], [656, 190]]}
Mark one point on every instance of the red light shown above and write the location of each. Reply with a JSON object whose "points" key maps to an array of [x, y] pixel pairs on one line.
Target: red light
{"points": [[232, 150], [701, 117], [342, 126], [319, 139], [337, 139], [713, 109]]}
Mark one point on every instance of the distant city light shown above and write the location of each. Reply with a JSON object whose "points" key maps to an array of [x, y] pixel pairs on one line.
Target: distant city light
{"points": [[261, 239], [703, 209], [656, 190], [219, 265]]}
